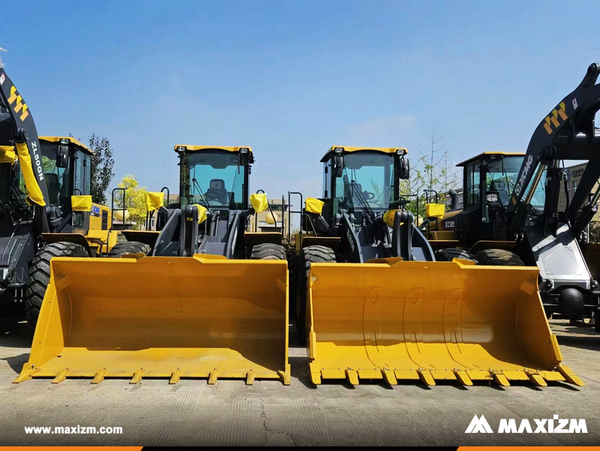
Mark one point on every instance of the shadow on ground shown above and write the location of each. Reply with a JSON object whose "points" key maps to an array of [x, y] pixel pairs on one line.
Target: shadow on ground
{"points": [[15, 333], [16, 362], [588, 342]]}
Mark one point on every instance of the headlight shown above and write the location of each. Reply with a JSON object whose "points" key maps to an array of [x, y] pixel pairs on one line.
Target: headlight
{"points": [[64, 142], [244, 150], [338, 150], [492, 198]]}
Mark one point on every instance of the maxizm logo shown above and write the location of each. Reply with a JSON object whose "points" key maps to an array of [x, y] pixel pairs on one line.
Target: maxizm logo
{"points": [[554, 425]]}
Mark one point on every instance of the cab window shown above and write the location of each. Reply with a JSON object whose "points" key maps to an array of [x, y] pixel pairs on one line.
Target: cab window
{"points": [[472, 185]]}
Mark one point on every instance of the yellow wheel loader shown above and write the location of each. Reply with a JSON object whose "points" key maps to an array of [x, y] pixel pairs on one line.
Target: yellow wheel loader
{"points": [[45, 207], [373, 302], [211, 301]]}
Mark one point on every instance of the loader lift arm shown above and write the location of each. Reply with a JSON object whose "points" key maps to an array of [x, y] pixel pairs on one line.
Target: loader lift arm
{"points": [[567, 133], [24, 131]]}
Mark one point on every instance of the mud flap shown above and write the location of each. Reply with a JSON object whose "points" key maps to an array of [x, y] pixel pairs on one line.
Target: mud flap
{"points": [[430, 321], [167, 317]]}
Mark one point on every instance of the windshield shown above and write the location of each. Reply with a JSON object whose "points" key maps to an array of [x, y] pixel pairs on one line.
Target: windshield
{"points": [[367, 181], [216, 179], [502, 175]]}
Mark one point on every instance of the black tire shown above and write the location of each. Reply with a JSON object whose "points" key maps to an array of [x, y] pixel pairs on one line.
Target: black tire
{"points": [[128, 247], [267, 251], [446, 255], [309, 255], [292, 260], [498, 257], [597, 320], [39, 275]]}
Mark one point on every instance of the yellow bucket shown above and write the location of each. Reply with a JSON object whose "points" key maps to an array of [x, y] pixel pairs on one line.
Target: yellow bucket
{"points": [[196, 317], [396, 320]]}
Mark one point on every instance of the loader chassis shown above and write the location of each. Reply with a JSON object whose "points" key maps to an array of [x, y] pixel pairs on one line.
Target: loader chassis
{"points": [[209, 303], [379, 305]]}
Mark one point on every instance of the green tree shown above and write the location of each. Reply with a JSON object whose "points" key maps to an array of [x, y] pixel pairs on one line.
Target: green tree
{"points": [[101, 167], [135, 199], [430, 172]]}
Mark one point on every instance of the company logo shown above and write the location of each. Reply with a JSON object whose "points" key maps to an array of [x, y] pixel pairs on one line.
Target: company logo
{"points": [[554, 425], [37, 161], [479, 425], [449, 224], [19, 106], [552, 120], [350, 239], [526, 170]]}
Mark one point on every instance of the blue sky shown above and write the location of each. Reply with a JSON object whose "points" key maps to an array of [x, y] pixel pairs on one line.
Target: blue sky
{"points": [[290, 79]]}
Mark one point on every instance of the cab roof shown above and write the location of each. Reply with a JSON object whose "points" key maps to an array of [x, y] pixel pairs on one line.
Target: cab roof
{"points": [[202, 148], [483, 155], [345, 149], [72, 141]]}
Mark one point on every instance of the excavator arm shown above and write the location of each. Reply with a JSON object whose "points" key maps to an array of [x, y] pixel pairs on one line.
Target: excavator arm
{"points": [[567, 133], [25, 137]]}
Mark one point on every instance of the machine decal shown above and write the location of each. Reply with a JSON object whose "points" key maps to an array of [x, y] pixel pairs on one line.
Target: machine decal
{"points": [[552, 119], [20, 107]]}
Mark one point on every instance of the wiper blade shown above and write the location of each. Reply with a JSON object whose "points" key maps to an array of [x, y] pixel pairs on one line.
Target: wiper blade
{"points": [[361, 197], [202, 194]]}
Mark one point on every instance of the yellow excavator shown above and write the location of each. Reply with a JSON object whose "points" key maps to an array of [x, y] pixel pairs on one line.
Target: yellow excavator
{"points": [[211, 301], [372, 302]]}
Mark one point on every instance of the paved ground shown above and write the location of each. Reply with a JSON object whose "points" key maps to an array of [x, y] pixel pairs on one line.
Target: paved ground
{"points": [[268, 413]]}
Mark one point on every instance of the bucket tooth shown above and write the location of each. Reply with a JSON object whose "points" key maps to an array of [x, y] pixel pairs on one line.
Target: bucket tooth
{"points": [[570, 376], [61, 376], [250, 377], [352, 376], [175, 377], [26, 373], [315, 374], [463, 377], [425, 376], [137, 376], [99, 377], [500, 378], [389, 376], [536, 378], [214, 375]]}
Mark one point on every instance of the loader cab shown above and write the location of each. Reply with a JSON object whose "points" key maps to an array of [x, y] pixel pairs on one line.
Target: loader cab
{"points": [[488, 182], [362, 180], [214, 177], [67, 172]]}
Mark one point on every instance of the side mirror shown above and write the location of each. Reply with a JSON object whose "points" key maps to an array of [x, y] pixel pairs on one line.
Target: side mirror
{"points": [[404, 169], [338, 165], [62, 156]]}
